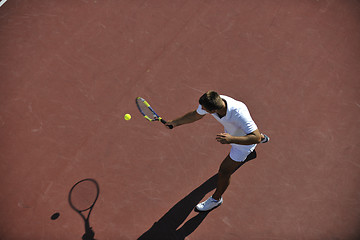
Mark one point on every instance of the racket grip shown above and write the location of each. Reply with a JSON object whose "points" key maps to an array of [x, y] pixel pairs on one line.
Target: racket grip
{"points": [[164, 122]]}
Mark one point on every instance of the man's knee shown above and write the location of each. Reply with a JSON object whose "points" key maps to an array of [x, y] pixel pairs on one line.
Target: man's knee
{"points": [[228, 167]]}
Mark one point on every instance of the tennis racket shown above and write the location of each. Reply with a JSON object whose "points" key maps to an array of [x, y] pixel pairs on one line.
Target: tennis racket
{"points": [[82, 197], [148, 112]]}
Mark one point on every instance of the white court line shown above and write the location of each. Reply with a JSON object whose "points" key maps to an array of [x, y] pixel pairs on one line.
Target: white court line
{"points": [[2, 2]]}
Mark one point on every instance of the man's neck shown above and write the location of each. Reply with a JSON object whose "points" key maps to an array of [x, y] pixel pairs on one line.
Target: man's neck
{"points": [[223, 110]]}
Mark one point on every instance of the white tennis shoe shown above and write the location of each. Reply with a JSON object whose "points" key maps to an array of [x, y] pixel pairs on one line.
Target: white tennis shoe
{"points": [[209, 204], [266, 139]]}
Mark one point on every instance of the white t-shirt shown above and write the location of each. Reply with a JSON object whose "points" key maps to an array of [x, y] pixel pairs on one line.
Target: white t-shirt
{"points": [[236, 122]]}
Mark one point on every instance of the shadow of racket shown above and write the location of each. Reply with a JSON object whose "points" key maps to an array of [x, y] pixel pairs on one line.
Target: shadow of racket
{"points": [[82, 197]]}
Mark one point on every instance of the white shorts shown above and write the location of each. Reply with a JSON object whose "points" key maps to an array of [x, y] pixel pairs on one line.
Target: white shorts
{"points": [[239, 154]]}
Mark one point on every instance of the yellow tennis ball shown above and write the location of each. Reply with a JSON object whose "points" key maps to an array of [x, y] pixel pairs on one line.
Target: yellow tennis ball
{"points": [[127, 117]]}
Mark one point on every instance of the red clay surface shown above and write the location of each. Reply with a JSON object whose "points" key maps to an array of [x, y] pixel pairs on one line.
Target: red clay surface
{"points": [[70, 70]]}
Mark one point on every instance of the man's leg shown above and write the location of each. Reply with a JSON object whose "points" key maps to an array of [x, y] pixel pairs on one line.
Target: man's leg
{"points": [[227, 168]]}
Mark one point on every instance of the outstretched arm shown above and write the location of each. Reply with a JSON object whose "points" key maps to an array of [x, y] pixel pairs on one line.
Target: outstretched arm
{"points": [[187, 118]]}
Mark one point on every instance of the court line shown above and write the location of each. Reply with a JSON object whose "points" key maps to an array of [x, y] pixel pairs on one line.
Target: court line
{"points": [[2, 2]]}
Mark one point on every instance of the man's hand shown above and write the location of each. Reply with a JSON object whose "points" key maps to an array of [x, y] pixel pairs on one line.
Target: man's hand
{"points": [[224, 138]]}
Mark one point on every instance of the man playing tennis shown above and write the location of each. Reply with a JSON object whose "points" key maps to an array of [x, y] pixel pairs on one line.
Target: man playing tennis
{"points": [[240, 131]]}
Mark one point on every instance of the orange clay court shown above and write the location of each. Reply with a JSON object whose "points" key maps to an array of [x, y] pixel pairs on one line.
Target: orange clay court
{"points": [[71, 70]]}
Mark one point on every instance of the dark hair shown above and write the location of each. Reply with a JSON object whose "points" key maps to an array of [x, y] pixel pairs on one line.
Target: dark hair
{"points": [[211, 100]]}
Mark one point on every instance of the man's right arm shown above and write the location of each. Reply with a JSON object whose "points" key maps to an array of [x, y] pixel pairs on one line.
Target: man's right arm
{"points": [[187, 118]]}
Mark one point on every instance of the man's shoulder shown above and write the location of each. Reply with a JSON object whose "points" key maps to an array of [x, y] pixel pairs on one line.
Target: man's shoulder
{"points": [[232, 103]]}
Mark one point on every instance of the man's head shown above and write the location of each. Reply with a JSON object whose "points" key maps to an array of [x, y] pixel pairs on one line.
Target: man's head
{"points": [[211, 101]]}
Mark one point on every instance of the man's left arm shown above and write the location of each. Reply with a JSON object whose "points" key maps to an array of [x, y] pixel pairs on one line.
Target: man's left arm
{"points": [[249, 139]]}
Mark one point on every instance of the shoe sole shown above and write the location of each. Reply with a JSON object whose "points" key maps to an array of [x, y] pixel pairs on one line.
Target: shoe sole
{"points": [[201, 211], [267, 139]]}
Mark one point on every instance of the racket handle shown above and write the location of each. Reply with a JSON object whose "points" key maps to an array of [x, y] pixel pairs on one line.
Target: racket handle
{"points": [[164, 122]]}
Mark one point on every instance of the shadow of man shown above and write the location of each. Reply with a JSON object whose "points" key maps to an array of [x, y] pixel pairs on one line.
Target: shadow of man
{"points": [[167, 227]]}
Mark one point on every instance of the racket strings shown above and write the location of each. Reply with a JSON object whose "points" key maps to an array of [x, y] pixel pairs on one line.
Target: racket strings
{"points": [[84, 195], [145, 109]]}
